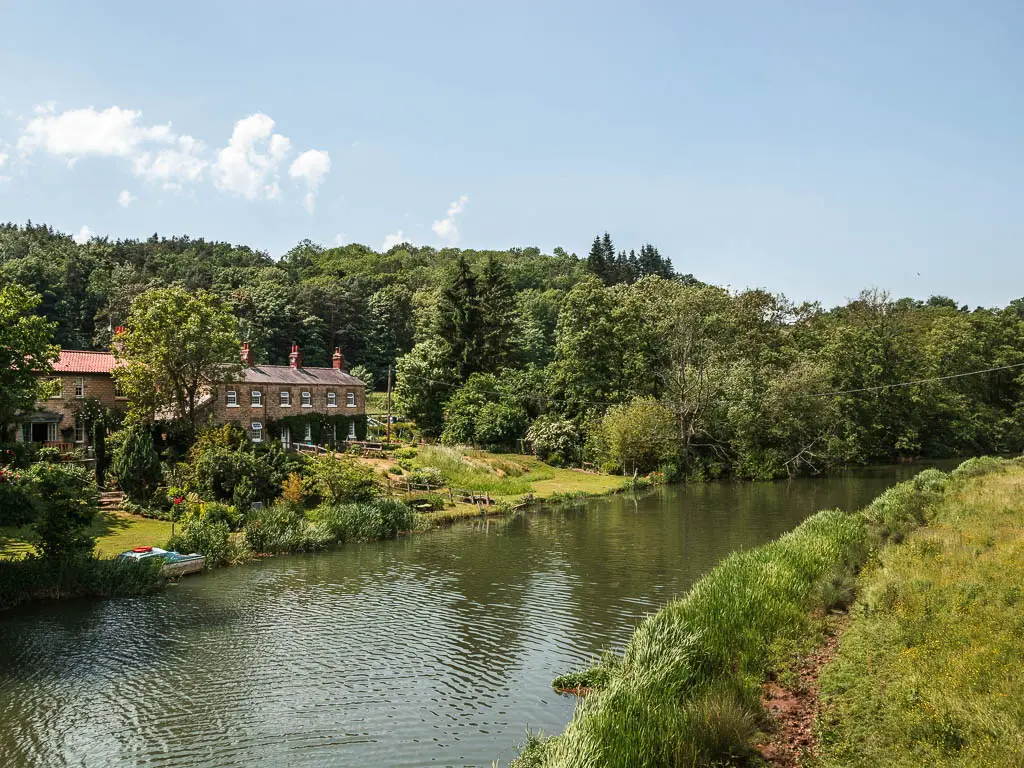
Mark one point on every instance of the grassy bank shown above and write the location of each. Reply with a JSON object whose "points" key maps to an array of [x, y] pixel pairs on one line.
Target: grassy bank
{"points": [[115, 532], [686, 690], [928, 671]]}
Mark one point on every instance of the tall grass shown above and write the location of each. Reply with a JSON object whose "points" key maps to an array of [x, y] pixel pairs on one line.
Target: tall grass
{"points": [[37, 578], [686, 690], [928, 671], [476, 471]]}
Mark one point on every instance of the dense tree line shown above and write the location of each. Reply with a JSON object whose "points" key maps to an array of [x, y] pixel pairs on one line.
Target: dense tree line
{"points": [[613, 358]]}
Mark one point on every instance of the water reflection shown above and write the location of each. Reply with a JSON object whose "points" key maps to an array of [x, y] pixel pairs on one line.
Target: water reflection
{"points": [[433, 649]]}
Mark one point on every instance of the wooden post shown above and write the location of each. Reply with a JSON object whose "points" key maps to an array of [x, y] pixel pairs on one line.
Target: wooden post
{"points": [[487, 498], [451, 496]]}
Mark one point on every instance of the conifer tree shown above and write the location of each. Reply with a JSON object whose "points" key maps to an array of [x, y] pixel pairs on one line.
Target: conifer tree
{"points": [[596, 263], [460, 319], [497, 317], [136, 465]]}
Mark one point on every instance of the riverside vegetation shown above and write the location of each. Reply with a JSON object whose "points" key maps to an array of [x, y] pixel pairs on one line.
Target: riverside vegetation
{"points": [[613, 358], [686, 689], [928, 672]]}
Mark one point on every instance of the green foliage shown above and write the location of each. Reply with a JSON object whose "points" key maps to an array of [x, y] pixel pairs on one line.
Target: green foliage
{"points": [[136, 465], [64, 504], [554, 440], [99, 447], [639, 436], [337, 479], [369, 521], [469, 470], [206, 537], [26, 351], [364, 374], [178, 345], [408, 452], [40, 578]]}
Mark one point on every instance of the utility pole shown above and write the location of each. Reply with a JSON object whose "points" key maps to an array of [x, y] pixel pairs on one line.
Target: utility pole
{"points": [[389, 404]]}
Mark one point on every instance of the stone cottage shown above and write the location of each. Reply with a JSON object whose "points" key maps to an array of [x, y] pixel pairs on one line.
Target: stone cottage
{"points": [[294, 404], [78, 375]]}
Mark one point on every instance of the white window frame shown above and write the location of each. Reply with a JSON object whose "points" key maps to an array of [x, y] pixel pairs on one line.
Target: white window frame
{"points": [[79, 387], [79, 432], [256, 398], [307, 400], [352, 430], [286, 436], [332, 399], [58, 391], [51, 432], [309, 433], [257, 431], [350, 399], [231, 397], [285, 398]]}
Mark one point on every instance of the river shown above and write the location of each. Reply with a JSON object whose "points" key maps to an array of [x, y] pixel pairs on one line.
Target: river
{"points": [[434, 649]]}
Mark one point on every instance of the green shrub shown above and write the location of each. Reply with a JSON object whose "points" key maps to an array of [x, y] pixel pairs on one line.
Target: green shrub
{"points": [[207, 538], [64, 504], [281, 529], [337, 480], [40, 578], [136, 465], [407, 452], [980, 465], [427, 475], [379, 519]]}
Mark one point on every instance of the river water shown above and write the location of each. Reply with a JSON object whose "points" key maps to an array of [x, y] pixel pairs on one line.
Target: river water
{"points": [[434, 649]]}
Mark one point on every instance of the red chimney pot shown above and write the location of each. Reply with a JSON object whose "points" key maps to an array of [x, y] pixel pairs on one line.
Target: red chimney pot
{"points": [[295, 358], [247, 359]]}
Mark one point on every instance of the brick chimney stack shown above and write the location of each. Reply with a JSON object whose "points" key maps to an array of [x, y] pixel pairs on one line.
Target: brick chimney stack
{"points": [[338, 359], [246, 355], [295, 358], [117, 342]]}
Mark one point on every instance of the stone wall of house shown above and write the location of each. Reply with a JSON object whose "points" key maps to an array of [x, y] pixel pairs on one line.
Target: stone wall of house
{"points": [[245, 413], [67, 401]]}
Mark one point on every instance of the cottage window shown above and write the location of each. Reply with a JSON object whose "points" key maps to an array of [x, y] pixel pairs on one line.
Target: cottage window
{"points": [[286, 398], [257, 398], [58, 388], [79, 432], [332, 399], [309, 432], [118, 392], [307, 400], [257, 432], [232, 396], [79, 387], [51, 432], [286, 436], [350, 399], [351, 430]]}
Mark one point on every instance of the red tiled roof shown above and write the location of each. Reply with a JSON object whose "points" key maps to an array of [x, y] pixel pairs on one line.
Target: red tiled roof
{"points": [[75, 361]]}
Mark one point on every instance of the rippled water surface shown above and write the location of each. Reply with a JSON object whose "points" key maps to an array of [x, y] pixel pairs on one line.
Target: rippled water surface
{"points": [[432, 649]]}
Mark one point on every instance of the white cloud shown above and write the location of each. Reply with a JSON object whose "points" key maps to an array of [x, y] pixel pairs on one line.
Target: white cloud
{"points": [[392, 240], [248, 165], [312, 165], [173, 168], [3, 159], [83, 235], [125, 199], [445, 228], [75, 133], [339, 239]]}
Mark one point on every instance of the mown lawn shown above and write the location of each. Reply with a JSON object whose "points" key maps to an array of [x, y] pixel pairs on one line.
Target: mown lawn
{"points": [[929, 672], [115, 533]]}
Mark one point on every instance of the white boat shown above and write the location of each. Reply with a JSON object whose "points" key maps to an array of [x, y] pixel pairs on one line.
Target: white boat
{"points": [[174, 563]]}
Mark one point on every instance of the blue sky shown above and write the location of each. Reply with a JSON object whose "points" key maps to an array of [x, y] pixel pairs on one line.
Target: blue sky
{"points": [[810, 148]]}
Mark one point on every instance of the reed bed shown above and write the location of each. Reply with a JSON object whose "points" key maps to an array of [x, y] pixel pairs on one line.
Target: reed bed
{"points": [[34, 578]]}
